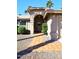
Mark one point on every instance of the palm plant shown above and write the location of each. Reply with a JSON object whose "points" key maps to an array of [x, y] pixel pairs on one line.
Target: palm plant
{"points": [[49, 4]]}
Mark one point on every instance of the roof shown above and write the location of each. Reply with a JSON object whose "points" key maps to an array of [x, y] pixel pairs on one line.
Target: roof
{"points": [[53, 11], [35, 9], [23, 17], [47, 11]]}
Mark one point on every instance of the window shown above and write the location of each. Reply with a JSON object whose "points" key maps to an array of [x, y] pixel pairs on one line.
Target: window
{"points": [[23, 22], [18, 22]]}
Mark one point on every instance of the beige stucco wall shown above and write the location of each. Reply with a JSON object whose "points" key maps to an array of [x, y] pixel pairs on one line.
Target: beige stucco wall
{"points": [[31, 25], [54, 26], [32, 15]]}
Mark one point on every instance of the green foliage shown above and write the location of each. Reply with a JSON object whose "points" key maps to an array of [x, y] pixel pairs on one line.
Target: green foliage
{"points": [[49, 4], [22, 30], [44, 28], [27, 31]]}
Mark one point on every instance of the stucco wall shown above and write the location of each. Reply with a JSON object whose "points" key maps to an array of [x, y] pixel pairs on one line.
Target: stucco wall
{"points": [[54, 26], [32, 15]]}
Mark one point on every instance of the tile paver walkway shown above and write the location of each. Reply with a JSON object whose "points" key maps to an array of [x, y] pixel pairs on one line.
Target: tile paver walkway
{"points": [[50, 50], [54, 46]]}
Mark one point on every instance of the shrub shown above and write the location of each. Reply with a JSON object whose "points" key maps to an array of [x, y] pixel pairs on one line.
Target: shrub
{"points": [[44, 28], [21, 30], [27, 31]]}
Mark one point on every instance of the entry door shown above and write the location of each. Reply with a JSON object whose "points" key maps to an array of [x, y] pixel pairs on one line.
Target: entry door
{"points": [[37, 26]]}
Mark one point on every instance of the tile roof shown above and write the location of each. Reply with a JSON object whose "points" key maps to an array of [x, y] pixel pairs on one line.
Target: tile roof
{"points": [[23, 17]]}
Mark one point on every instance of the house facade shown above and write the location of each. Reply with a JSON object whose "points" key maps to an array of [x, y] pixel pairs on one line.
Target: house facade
{"points": [[37, 16]]}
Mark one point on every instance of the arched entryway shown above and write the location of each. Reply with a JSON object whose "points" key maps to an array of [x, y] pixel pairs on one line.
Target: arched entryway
{"points": [[38, 20]]}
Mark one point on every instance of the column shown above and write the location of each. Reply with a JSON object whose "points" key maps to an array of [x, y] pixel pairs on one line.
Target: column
{"points": [[49, 28], [32, 24], [52, 28], [59, 25]]}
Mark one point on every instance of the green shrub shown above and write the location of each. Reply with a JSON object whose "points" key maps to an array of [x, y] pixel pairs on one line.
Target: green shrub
{"points": [[27, 31], [44, 28], [21, 30]]}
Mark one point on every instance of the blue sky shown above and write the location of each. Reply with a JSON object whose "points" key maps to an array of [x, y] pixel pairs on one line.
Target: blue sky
{"points": [[22, 5]]}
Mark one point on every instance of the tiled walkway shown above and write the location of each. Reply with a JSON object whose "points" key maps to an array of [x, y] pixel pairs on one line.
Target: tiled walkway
{"points": [[42, 49], [53, 46]]}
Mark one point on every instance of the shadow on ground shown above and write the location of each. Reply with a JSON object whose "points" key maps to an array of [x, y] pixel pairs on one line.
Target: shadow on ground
{"points": [[30, 49]]}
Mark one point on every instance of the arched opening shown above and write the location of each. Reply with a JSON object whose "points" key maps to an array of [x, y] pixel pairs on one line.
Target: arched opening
{"points": [[38, 20]]}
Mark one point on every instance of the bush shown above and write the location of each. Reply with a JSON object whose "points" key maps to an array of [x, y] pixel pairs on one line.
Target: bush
{"points": [[44, 28], [22, 30], [27, 31]]}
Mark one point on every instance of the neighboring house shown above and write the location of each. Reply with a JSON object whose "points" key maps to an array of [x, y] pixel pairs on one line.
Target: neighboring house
{"points": [[23, 21], [37, 16]]}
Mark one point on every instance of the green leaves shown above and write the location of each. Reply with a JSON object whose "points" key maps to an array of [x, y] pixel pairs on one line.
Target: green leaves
{"points": [[49, 4], [44, 28]]}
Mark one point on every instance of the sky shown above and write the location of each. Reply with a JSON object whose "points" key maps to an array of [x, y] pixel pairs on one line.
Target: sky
{"points": [[22, 5]]}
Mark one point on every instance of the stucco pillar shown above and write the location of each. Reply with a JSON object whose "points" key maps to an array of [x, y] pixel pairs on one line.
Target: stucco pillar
{"points": [[52, 28], [59, 19], [32, 24], [49, 28]]}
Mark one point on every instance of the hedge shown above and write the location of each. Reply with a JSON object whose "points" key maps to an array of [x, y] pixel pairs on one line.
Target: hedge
{"points": [[22, 30], [44, 28]]}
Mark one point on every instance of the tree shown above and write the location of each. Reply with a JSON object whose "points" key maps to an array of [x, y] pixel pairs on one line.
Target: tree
{"points": [[28, 9], [49, 4]]}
